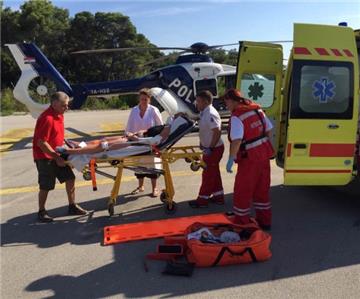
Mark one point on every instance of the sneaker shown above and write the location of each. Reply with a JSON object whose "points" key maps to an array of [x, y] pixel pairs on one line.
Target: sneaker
{"points": [[195, 204], [75, 209], [43, 216]]}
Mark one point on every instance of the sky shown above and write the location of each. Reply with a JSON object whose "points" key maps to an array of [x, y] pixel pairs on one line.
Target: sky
{"points": [[183, 22]]}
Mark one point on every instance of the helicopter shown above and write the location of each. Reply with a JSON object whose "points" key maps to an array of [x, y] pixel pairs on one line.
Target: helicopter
{"points": [[174, 86]]}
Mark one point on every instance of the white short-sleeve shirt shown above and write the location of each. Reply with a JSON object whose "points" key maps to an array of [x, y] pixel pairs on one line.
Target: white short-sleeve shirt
{"points": [[209, 120], [152, 117], [237, 127]]}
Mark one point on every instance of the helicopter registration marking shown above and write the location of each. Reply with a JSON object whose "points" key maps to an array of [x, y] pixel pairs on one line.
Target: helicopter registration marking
{"points": [[183, 90], [100, 91]]}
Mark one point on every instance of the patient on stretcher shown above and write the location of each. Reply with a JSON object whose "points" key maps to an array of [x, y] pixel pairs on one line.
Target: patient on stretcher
{"points": [[118, 142], [153, 136]]}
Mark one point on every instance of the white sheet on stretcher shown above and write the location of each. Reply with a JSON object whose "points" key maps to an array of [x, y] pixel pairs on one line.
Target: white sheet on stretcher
{"points": [[80, 161]]}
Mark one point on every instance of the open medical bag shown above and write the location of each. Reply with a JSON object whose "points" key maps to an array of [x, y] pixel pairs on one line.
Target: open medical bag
{"points": [[253, 245]]}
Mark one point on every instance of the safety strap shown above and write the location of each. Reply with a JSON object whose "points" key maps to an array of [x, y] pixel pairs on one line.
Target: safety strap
{"points": [[263, 134], [155, 150], [227, 249], [93, 174]]}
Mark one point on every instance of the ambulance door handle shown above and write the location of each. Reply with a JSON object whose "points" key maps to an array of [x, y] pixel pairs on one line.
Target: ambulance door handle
{"points": [[333, 126], [299, 145]]}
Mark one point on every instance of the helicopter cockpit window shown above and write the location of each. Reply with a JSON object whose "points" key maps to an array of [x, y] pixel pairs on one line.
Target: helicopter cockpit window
{"points": [[225, 82], [259, 88], [206, 84]]}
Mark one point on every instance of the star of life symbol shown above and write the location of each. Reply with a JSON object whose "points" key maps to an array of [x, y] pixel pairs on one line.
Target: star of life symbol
{"points": [[256, 91], [323, 90]]}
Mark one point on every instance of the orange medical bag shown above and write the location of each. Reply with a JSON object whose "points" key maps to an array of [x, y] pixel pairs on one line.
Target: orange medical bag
{"points": [[254, 246]]}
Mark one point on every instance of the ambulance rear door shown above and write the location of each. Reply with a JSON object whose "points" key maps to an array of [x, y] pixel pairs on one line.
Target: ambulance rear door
{"points": [[259, 77], [323, 106]]}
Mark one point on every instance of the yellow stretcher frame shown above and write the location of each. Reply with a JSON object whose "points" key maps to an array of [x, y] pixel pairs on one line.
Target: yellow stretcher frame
{"points": [[191, 154]]}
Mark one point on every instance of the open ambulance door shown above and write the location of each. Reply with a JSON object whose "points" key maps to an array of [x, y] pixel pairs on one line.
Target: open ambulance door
{"points": [[259, 77], [323, 106]]}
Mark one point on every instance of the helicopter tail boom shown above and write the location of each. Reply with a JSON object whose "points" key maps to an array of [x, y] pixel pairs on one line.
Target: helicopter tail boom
{"points": [[33, 63]]}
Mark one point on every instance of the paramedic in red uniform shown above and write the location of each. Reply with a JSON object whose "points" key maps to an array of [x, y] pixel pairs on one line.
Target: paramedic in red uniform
{"points": [[49, 133], [213, 148], [251, 149]]}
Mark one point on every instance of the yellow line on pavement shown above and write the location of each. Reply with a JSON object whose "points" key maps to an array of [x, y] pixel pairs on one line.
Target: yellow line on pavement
{"points": [[28, 189], [9, 138], [114, 126]]}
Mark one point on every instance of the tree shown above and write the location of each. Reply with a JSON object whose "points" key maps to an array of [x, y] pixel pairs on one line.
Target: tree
{"points": [[106, 30], [10, 30], [224, 57], [39, 22]]}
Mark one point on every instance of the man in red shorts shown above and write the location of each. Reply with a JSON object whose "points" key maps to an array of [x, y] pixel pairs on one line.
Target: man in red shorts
{"points": [[211, 189], [49, 133]]}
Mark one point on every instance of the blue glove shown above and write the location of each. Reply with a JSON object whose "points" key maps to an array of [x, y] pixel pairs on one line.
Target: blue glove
{"points": [[207, 151], [60, 149], [230, 164]]}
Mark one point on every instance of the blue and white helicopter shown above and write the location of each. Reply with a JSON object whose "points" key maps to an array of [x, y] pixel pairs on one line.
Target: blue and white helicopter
{"points": [[174, 87]]}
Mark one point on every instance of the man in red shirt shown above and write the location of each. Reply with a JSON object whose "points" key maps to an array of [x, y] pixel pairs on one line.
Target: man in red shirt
{"points": [[49, 133]]}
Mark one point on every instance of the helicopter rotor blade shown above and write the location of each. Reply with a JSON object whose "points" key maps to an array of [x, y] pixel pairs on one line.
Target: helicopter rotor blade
{"points": [[224, 45], [162, 58], [94, 51]]}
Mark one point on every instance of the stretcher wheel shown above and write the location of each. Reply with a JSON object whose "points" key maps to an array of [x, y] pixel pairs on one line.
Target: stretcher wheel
{"points": [[188, 160], [171, 210], [163, 197], [111, 209], [87, 176], [194, 166]]}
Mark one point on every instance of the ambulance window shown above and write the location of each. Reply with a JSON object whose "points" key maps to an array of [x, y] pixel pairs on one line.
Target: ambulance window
{"points": [[322, 89], [259, 88], [206, 84]]}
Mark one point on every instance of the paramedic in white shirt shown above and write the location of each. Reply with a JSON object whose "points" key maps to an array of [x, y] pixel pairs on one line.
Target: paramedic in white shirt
{"points": [[211, 189], [142, 117]]}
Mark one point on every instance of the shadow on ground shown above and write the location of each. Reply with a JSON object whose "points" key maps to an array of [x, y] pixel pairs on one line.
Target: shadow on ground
{"points": [[314, 229]]}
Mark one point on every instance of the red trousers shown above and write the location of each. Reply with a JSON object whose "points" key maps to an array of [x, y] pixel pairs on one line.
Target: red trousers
{"points": [[252, 184], [211, 178]]}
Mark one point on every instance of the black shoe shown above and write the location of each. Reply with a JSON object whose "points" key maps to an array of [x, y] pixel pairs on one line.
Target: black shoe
{"points": [[75, 209], [44, 217], [266, 228], [195, 204]]}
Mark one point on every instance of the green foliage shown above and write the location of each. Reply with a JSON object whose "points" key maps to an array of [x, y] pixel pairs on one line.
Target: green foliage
{"points": [[116, 102], [224, 57], [9, 104]]}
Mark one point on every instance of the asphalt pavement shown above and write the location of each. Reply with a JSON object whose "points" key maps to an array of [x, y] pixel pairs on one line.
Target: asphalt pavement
{"points": [[315, 245]]}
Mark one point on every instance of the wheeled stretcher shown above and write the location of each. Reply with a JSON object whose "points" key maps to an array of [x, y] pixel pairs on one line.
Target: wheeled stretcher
{"points": [[133, 157]]}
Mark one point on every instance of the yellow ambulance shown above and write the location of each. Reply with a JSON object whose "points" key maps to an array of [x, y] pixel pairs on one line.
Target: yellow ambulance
{"points": [[315, 102]]}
